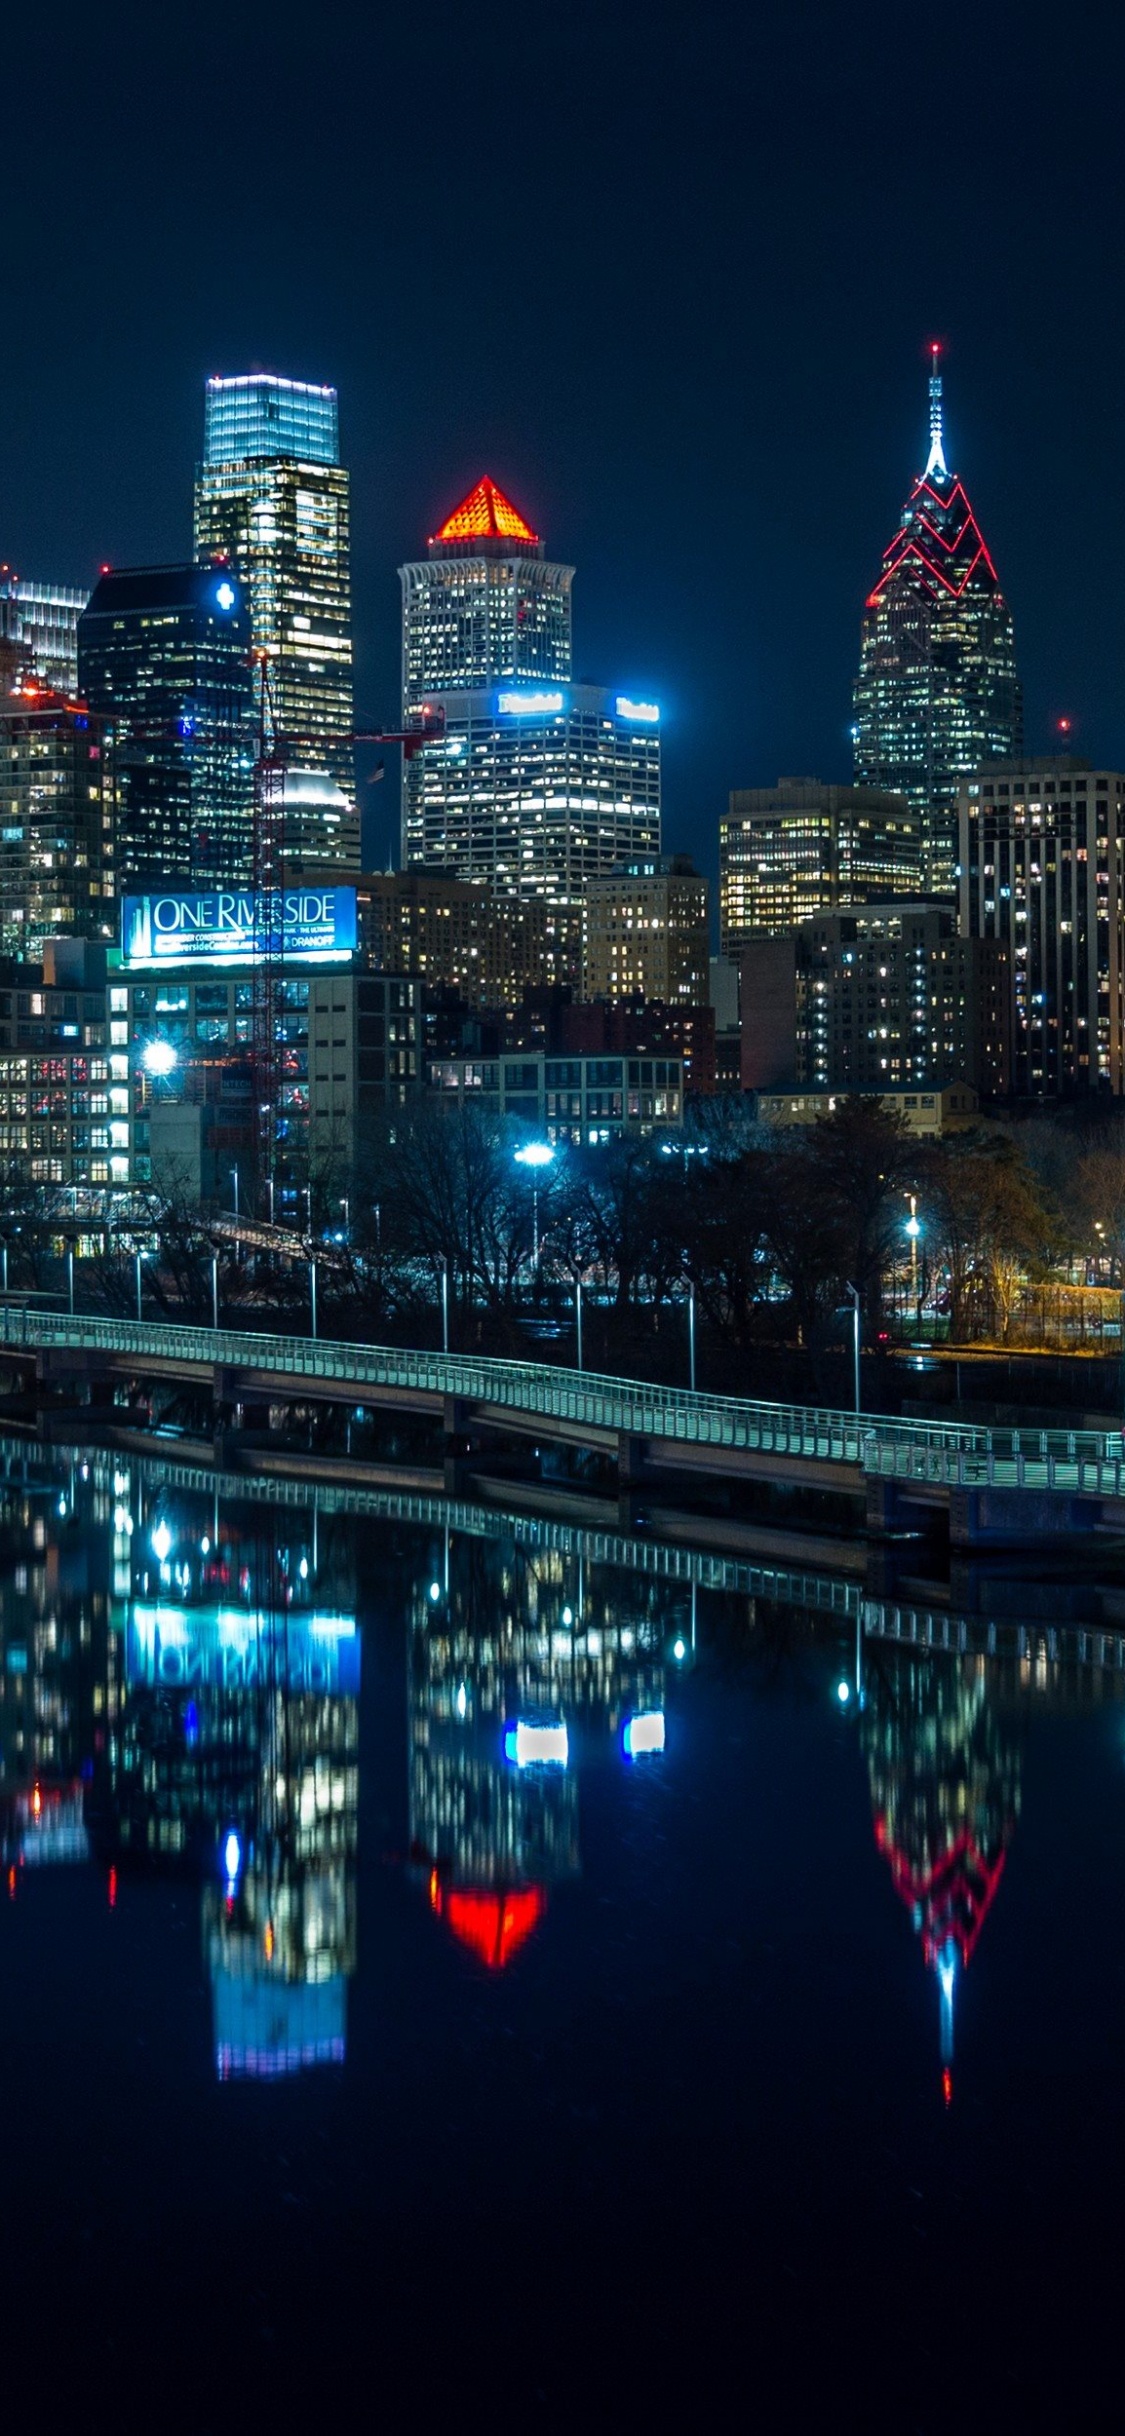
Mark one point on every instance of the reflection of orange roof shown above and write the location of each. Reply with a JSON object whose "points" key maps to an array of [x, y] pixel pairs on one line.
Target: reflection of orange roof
{"points": [[494, 1924], [483, 513]]}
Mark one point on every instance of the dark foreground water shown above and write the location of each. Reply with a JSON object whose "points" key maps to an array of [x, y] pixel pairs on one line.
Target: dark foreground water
{"points": [[454, 1976]]}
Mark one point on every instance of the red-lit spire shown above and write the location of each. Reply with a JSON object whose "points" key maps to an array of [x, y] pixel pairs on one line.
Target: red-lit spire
{"points": [[484, 514]]}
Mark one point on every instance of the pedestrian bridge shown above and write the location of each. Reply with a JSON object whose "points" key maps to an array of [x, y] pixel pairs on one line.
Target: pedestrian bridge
{"points": [[649, 1429]]}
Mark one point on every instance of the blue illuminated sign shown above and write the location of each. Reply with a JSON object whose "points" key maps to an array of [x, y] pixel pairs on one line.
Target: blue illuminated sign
{"points": [[226, 1649], [524, 704], [234, 926], [225, 596], [643, 714]]}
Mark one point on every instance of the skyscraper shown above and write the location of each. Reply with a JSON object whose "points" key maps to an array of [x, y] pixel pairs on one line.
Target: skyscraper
{"points": [[39, 631], [937, 692], [164, 658], [56, 822], [802, 847], [535, 785], [484, 606], [271, 497], [1043, 868]]}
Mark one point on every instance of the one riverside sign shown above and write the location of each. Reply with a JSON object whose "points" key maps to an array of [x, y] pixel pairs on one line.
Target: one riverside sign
{"points": [[237, 926]]}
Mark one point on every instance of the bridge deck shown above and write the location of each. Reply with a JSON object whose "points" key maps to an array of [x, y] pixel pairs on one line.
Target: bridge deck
{"points": [[591, 1408]]}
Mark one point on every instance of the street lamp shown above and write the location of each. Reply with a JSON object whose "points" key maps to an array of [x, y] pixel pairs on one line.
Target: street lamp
{"points": [[535, 1155], [158, 1057], [914, 1229]]}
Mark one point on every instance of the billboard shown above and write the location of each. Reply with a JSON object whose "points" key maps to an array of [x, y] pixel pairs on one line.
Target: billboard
{"points": [[236, 925]]}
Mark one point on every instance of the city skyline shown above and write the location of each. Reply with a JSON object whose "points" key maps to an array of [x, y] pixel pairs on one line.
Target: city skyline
{"points": [[695, 827]]}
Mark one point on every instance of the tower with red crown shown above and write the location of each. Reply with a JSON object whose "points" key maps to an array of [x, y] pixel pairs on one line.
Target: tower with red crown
{"points": [[937, 692], [534, 785], [485, 606]]}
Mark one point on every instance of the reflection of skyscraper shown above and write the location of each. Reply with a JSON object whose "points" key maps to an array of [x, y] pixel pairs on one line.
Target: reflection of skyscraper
{"points": [[272, 497], [945, 1789], [937, 691], [521, 1664], [235, 1758]]}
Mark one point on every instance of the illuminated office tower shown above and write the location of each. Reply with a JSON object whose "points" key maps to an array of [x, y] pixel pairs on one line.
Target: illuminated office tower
{"points": [[39, 632], [484, 606], [57, 822], [647, 934], [802, 848], [937, 692], [163, 656], [272, 498], [536, 785], [1042, 851]]}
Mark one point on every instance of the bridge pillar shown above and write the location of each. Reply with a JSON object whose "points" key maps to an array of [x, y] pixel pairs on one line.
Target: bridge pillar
{"points": [[630, 1474], [458, 1444]]}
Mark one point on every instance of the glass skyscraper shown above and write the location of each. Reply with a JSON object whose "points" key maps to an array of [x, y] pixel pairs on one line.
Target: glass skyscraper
{"points": [[164, 658], [56, 822], [937, 692], [272, 498], [536, 784], [39, 630]]}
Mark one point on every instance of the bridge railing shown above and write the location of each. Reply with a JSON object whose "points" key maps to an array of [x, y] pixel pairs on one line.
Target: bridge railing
{"points": [[932, 1450]]}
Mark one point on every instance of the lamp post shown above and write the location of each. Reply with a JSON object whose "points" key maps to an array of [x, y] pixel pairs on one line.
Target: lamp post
{"points": [[578, 1316], [140, 1305], [312, 1297], [854, 1293], [691, 1335], [70, 1277], [269, 1189], [215, 1292], [913, 1229], [535, 1155], [444, 1305], [234, 1181]]}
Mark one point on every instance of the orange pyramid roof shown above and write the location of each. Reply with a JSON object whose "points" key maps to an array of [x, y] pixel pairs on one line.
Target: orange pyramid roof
{"points": [[484, 512]]}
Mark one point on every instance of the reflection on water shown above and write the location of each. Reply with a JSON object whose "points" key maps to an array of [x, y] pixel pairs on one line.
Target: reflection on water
{"points": [[945, 1791], [525, 1670], [180, 1700]]}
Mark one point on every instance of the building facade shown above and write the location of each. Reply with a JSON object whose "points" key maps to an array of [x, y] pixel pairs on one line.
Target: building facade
{"points": [[454, 935], [536, 791], [802, 847], [164, 659], [39, 631], [937, 692], [64, 1096], [1042, 852], [188, 995], [57, 821], [923, 1113], [272, 499], [646, 933], [484, 607], [879, 999], [569, 1099]]}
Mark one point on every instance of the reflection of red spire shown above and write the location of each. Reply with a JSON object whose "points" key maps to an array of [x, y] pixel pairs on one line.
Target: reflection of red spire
{"points": [[953, 1897], [493, 1921]]}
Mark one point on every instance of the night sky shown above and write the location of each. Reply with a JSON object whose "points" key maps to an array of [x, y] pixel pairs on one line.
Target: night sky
{"points": [[667, 274]]}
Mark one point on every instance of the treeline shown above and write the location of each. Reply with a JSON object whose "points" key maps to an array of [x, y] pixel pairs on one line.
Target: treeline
{"points": [[770, 1230]]}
